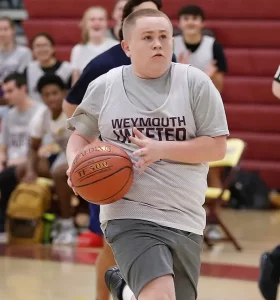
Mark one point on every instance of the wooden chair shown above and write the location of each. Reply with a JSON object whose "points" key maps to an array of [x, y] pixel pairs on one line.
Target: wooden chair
{"points": [[215, 197]]}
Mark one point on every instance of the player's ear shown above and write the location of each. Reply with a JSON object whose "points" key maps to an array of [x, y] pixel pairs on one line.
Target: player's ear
{"points": [[125, 47]]}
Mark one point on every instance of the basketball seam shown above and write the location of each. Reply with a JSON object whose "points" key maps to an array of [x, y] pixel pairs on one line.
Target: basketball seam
{"points": [[98, 201], [103, 177], [115, 155]]}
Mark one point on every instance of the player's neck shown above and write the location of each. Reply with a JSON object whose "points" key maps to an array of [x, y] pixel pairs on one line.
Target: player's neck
{"points": [[25, 104], [7, 47], [48, 63], [56, 114], [192, 39]]}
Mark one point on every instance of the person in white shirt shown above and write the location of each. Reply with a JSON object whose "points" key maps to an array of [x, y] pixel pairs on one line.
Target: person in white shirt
{"points": [[117, 18], [45, 62], [51, 120], [13, 58], [94, 39]]}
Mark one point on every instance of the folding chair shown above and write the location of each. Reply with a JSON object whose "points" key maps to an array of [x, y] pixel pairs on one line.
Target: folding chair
{"points": [[215, 197]]}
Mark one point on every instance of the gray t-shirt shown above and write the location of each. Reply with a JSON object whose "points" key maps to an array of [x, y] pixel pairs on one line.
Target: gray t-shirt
{"points": [[15, 131], [169, 193], [13, 61]]}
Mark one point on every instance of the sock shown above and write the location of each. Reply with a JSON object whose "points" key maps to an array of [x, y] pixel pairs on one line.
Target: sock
{"points": [[127, 294]]}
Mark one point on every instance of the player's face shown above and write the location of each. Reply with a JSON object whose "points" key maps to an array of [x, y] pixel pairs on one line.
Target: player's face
{"points": [[7, 33], [118, 11], [13, 94], [53, 97], [150, 46], [191, 25], [97, 23], [42, 49]]}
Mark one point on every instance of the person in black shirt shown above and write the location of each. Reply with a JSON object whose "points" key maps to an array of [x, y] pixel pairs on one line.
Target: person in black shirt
{"points": [[200, 50]]}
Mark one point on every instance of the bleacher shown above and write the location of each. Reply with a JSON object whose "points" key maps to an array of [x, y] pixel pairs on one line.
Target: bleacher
{"points": [[247, 29]]}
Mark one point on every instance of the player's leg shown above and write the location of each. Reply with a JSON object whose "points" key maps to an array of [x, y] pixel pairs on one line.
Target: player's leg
{"points": [[145, 261], [185, 261], [105, 259], [66, 232]]}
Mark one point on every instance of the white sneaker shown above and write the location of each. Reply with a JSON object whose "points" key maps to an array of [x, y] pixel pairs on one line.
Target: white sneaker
{"points": [[65, 232], [66, 236]]}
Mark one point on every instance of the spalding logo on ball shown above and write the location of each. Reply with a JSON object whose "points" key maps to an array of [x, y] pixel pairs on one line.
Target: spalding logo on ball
{"points": [[102, 173]]}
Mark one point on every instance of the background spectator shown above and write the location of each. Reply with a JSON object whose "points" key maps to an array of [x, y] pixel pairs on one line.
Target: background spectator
{"points": [[276, 84], [201, 51], [15, 131], [117, 18], [43, 47], [13, 58], [94, 39]]}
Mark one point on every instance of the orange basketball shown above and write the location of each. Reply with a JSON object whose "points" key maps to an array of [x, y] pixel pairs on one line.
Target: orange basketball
{"points": [[102, 173]]}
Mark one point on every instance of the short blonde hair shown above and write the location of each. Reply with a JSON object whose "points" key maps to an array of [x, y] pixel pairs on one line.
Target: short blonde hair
{"points": [[138, 14], [85, 36]]}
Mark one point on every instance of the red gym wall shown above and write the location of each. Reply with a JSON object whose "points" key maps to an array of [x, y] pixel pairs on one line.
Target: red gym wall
{"points": [[249, 31]]}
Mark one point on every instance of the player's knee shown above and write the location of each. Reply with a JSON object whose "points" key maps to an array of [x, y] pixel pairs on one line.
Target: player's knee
{"points": [[161, 288]]}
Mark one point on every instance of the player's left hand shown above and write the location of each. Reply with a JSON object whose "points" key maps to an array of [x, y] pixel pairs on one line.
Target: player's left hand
{"points": [[149, 152]]}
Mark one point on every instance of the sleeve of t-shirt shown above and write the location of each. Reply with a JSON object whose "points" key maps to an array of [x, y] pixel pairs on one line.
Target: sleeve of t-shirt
{"points": [[208, 109], [38, 124], [219, 56], [85, 117], [277, 75], [25, 60]]}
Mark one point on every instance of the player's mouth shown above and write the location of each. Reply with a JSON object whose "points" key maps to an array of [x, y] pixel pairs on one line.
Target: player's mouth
{"points": [[158, 55]]}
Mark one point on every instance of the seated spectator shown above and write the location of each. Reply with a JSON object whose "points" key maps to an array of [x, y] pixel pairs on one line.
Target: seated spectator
{"points": [[94, 39], [15, 136], [45, 63], [117, 14], [276, 84], [51, 120], [13, 58], [201, 51]]}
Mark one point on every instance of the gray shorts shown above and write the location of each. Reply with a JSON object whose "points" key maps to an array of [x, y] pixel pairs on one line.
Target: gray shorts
{"points": [[145, 251]]}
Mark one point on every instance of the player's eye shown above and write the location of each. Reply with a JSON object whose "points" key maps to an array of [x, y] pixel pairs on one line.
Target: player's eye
{"points": [[163, 36], [147, 38]]}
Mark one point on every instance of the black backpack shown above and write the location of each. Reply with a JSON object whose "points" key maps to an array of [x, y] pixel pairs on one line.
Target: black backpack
{"points": [[248, 191]]}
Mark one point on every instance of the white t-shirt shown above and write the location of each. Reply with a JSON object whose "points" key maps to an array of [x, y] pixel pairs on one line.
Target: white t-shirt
{"points": [[43, 124], [81, 55]]}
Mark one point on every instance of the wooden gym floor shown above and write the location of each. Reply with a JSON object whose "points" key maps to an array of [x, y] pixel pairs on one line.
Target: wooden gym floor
{"points": [[67, 273]]}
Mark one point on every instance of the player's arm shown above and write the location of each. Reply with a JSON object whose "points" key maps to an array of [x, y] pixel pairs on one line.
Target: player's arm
{"points": [[38, 130], [217, 74], [4, 143], [32, 160], [84, 121], [276, 84]]}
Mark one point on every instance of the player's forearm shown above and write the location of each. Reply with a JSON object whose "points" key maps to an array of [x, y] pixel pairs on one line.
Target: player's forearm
{"points": [[198, 150], [218, 80], [76, 143], [32, 160]]}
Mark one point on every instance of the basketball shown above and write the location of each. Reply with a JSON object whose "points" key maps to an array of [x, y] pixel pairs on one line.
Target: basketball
{"points": [[102, 173]]}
